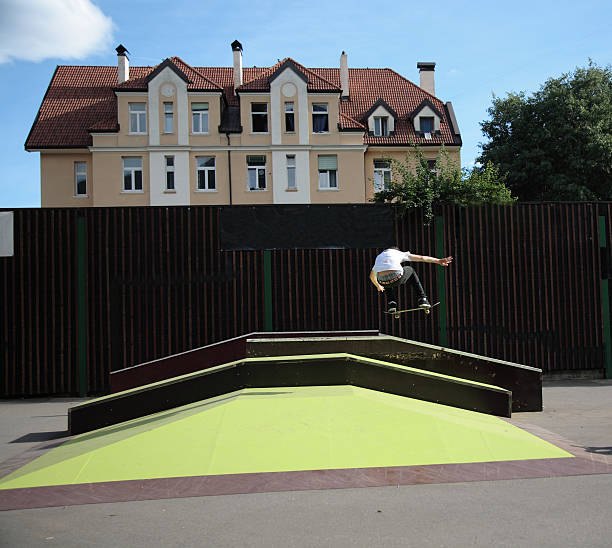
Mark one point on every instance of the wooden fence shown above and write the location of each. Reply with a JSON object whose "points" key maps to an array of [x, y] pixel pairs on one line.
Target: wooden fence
{"points": [[95, 290]]}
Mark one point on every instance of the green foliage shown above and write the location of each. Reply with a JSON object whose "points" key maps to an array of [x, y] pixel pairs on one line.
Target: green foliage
{"points": [[556, 144], [414, 184]]}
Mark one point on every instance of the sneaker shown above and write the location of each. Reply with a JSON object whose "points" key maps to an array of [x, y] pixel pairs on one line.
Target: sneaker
{"points": [[424, 303], [391, 307]]}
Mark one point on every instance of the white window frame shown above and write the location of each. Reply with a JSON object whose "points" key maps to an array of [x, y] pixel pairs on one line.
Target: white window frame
{"points": [[380, 174], [291, 172], [132, 170], [381, 126], [80, 169], [325, 178], [202, 115], [170, 170], [207, 171], [289, 111], [262, 113], [168, 117], [138, 118], [256, 170], [320, 113]]}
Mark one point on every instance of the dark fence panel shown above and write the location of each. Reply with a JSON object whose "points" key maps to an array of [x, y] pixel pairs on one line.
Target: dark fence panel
{"points": [[38, 319], [525, 286]]}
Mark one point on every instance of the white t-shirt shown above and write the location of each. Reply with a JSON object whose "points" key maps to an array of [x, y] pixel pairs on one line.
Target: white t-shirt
{"points": [[391, 259]]}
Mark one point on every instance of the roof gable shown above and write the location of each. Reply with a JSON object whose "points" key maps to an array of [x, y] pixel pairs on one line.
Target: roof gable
{"points": [[167, 63], [316, 83], [288, 64], [426, 103], [380, 103]]}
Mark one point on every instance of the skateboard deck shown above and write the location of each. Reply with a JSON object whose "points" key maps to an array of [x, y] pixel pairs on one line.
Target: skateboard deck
{"points": [[397, 313]]}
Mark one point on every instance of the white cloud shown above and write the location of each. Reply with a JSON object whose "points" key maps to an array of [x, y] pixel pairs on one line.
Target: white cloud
{"points": [[33, 30]]}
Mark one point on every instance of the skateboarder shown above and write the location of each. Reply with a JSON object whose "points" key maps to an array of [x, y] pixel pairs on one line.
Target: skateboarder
{"points": [[388, 274]]}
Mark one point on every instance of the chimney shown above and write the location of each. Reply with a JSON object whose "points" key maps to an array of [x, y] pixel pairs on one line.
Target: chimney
{"points": [[237, 49], [344, 76], [123, 64], [426, 71]]}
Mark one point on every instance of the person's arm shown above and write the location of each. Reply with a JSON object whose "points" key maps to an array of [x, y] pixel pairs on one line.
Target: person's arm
{"points": [[374, 280], [426, 259]]}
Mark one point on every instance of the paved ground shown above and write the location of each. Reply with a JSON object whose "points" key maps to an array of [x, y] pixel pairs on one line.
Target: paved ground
{"points": [[572, 511]]}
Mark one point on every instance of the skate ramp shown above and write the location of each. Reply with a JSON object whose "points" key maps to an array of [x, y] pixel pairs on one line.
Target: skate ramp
{"points": [[279, 429]]}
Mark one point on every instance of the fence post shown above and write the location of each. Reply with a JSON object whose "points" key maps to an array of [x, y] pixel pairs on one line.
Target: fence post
{"points": [[605, 294], [441, 275], [268, 290], [81, 306]]}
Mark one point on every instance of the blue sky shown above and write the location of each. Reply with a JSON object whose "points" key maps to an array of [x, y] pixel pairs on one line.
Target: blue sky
{"points": [[480, 48]]}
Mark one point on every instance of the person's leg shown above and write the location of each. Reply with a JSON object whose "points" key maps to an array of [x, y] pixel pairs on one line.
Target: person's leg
{"points": [[412, 277], [390, 282]]}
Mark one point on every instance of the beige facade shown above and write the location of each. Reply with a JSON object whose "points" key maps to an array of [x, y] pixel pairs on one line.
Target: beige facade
{"points": [[58, 182], [169, 147]]}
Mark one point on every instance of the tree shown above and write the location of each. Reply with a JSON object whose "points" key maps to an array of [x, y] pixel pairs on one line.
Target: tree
{"points": [[415, 184], [557, 143]]}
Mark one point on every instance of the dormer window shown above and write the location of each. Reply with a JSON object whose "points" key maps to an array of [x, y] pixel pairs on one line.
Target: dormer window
{"points": [[381, 119], [427, 124], [381, 126], [426, 119]]}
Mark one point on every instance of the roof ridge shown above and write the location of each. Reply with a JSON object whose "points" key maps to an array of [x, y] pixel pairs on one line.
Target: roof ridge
{"points": [[195, 70]]}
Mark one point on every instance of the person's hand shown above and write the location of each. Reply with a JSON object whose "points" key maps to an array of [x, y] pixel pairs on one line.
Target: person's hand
{"points": [[445, 261], [380, 288]]}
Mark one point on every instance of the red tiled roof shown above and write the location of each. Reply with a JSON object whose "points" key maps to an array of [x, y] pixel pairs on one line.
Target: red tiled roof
{"points": [[81, 99], [347, 123], [366, 86]]}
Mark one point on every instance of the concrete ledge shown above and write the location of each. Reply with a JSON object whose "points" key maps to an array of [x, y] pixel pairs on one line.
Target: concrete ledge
{"points": [[284, 371], [523, 381]]}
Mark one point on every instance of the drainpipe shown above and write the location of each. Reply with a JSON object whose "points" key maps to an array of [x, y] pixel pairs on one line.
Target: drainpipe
{"points": [[229, 167]]}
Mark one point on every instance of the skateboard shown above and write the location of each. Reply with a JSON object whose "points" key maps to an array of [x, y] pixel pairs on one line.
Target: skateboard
{"points": [[397, 313]]}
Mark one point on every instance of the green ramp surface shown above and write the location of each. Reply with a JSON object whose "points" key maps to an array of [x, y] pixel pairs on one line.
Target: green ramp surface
{"points": [[283, 429]]}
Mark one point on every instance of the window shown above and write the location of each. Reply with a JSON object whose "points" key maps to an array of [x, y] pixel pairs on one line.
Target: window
{"points": [[206, 173], [256, 168], [319, 118], [382, 175], [431, 164], [132, 174], [328, 171], [259, 117], [170, 173], [291, 182], [381, 126], [80, 179], [168, 117], [289, 118], [138, 118], [199, 117], [427, 124]]}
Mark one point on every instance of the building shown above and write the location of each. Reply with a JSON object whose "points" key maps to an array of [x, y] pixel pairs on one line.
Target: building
{"points": [[174, 134]]}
